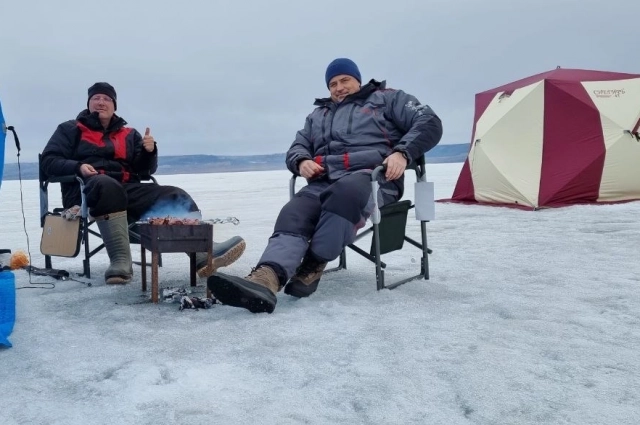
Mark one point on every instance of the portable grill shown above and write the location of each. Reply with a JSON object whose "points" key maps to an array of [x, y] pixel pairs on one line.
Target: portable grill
{"points": [[179, 237]]}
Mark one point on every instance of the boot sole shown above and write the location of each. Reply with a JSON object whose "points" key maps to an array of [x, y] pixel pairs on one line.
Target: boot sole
{"points": [[117, 280], [224, 260], [238, 292], [299, 289]]}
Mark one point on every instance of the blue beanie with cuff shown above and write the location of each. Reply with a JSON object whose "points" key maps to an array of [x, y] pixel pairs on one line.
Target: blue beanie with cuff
{"points": [[342, 66]]}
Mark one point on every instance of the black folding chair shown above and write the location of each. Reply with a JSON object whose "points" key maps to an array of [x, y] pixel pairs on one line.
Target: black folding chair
{"points": [[389, 224], [86, 227]]}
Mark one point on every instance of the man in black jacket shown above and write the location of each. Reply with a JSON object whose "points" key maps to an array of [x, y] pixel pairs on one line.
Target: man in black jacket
{"points": [[111, 158]]}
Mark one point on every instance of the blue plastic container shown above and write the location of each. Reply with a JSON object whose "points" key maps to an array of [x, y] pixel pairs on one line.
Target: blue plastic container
{"points": [[7, 306]]}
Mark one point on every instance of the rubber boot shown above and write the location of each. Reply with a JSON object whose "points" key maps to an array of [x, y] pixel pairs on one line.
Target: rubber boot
{"points": [[114, 230]]}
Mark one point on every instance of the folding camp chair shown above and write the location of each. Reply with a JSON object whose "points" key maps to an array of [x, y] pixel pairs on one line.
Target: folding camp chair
{"points": [[389, 226], [64, 238]]}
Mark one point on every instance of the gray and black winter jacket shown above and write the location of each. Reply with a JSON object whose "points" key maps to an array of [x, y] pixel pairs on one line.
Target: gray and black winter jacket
{"points": [[362, 130]]}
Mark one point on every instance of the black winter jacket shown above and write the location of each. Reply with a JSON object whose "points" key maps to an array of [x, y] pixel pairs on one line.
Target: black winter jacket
{"points": [[116, 151]]}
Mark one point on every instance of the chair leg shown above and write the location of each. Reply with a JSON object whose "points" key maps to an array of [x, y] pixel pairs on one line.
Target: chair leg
{"points": [[424, 261], [425, 250], [341, 265], [379, 270], [86, 262], [343, 259], [86, 268], [377, 257]]}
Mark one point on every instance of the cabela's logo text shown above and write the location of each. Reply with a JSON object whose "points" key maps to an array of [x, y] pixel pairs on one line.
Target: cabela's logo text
{"points": [[609, 93]]}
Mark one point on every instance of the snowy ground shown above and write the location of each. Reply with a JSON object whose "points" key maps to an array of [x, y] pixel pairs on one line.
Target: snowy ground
{"points": [[528, 318]]}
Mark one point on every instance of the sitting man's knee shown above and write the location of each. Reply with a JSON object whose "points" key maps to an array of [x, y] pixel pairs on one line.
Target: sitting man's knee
{"points": [[299, 216], [105, 195], [103, 181], [348, 197]]}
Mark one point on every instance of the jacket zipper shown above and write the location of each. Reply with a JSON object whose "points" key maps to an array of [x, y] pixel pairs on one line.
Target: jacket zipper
{"points": [[324, 120], [353, 107]]}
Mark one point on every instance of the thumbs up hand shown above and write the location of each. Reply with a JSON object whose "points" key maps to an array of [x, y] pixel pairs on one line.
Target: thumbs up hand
{"points": [[148, 142]]}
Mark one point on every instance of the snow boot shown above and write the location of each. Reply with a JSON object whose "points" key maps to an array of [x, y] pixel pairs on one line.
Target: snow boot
{"points": [[224, 254], [308, 275], [114, 230], [255, 292]]}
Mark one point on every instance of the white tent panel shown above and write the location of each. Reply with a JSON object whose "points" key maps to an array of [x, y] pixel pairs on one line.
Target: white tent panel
{"points": [[500, 105], [621, 173], [505, 162], [618, 100]]}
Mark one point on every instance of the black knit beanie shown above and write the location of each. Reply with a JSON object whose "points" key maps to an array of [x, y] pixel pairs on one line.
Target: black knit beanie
{"points": [[103, 88]]}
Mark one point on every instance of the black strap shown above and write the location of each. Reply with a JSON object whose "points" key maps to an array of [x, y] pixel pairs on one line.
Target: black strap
{"points": [[15, 138], [54, 273]]}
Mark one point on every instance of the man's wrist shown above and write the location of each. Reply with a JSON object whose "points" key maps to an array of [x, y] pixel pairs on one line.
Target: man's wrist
{"points": [[301, 160]]}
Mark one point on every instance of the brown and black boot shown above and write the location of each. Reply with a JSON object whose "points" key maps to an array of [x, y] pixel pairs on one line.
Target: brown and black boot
{"points": [[308, 275], [255, 292]]}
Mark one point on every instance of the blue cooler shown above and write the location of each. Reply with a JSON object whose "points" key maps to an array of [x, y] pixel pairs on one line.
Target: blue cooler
{"points": [[7, 306]]}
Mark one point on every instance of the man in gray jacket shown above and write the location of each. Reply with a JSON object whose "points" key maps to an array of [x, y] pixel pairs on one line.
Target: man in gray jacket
{"points": [[348, 134]]}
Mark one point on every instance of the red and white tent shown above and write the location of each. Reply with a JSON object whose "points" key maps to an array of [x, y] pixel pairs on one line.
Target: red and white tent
{"points": [[563, 137]]}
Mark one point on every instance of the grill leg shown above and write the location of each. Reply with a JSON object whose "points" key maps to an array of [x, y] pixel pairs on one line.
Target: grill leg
{"points": [[210, 263], [192, 267], [154, 277], [143, 263]]}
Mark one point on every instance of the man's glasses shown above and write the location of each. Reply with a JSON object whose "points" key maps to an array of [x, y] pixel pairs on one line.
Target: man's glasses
{"points": [[101, 98]]}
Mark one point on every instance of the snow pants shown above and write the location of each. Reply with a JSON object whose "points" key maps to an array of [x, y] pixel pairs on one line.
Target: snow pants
{"points": [[322, 218]]}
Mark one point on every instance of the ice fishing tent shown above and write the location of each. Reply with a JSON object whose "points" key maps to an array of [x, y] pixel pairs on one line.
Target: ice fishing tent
{"points": [[562, 137]]}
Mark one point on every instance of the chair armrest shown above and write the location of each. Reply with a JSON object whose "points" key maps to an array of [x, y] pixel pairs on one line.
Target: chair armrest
{"points": [[147, 177], [375, 214], [419, 165], [71, 178], [418, 162], [44, 193], [379, 169]]}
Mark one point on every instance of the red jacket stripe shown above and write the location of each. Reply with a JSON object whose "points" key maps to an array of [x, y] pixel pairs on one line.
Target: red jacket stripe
{"points": [[90, 136], [119, 140]]}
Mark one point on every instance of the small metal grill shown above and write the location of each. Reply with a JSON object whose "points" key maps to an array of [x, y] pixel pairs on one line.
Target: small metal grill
{"points": [[188, 238], [176, 237]]}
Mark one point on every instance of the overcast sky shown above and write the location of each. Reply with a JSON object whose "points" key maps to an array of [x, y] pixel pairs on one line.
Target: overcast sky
{"points": [[239, 78]]}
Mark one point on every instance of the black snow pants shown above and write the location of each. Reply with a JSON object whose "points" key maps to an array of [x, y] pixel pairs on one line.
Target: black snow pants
{"points": [[105, 195]]}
